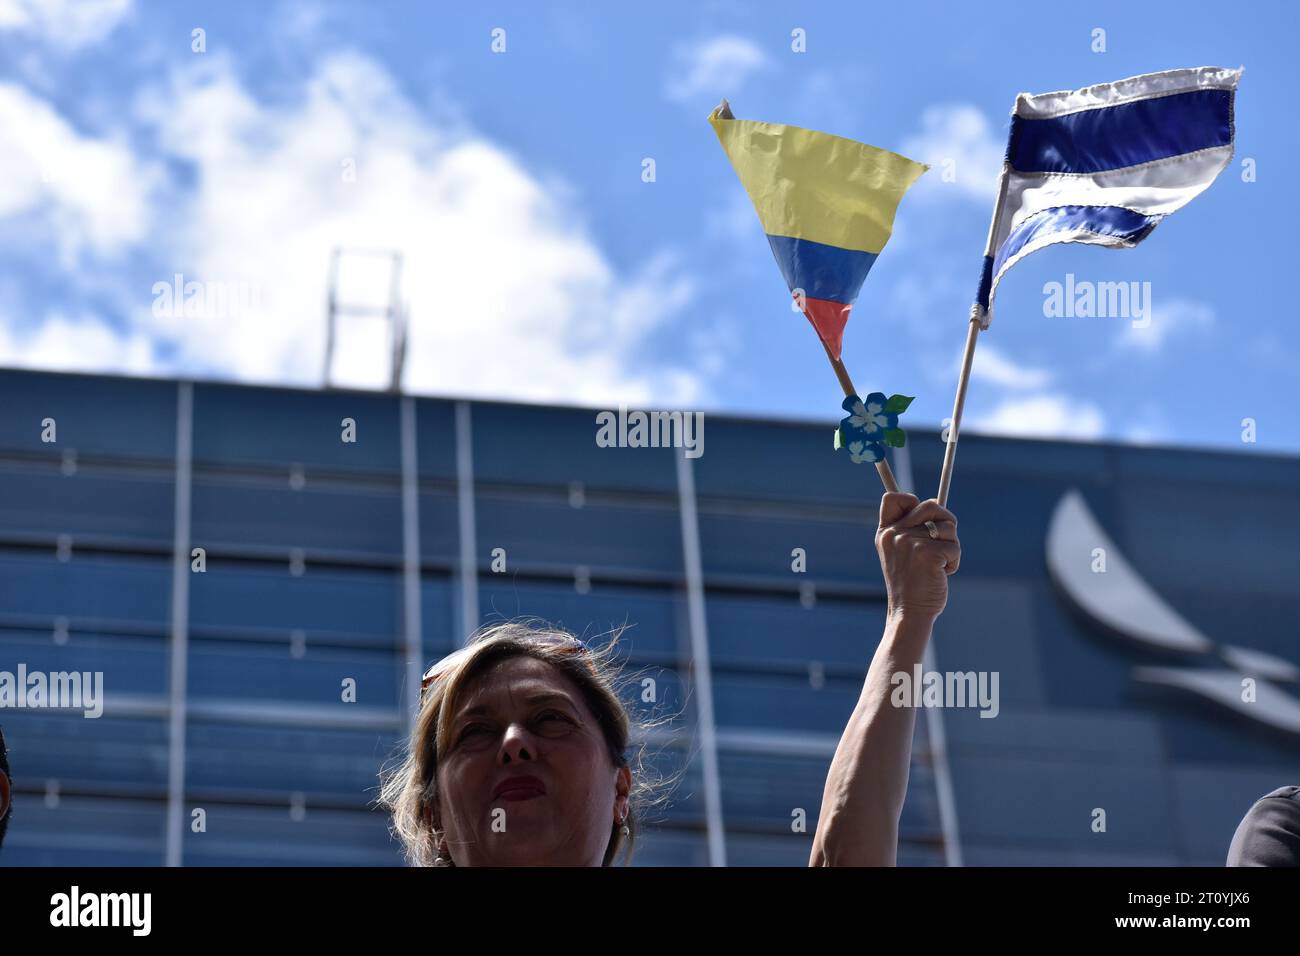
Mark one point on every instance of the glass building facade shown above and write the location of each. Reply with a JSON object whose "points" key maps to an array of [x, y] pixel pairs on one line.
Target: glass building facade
{"points": [[226, 738]]}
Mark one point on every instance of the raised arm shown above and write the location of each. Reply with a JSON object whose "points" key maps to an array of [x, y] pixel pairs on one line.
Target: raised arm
{"points": [[867, 782]]}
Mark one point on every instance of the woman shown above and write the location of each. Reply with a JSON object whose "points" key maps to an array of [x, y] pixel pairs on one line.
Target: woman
{"points": [[519, 753]]}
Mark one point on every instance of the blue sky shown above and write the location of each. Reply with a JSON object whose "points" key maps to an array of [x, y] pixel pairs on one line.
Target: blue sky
{"points": [[540, 266]]}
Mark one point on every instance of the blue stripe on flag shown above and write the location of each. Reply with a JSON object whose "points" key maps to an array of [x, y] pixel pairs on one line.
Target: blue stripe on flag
{"points": [[1112, 137], [986, 283], [1103, 220], [822, 271]]}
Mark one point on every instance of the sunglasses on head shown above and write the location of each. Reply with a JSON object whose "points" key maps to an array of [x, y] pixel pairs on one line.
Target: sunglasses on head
{"points": [[566, 642]]}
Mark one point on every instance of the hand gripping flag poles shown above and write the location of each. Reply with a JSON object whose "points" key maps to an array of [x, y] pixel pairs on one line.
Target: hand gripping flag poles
{"points": [[827, 206], [1102, 165]]}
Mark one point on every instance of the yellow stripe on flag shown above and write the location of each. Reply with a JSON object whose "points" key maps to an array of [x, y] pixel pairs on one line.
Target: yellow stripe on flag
{"points": [[814, 186]]}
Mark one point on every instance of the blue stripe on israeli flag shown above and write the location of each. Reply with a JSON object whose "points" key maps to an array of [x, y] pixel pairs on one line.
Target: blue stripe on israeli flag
{"points": [[1130, 134], [986, 283], [1111, 225]]}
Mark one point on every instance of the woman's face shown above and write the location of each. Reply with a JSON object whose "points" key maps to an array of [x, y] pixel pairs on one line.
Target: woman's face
{"points": [[527, 779]]}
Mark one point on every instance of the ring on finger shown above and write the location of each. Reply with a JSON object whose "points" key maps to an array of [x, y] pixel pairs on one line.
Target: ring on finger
{"points": [[943, 530]]}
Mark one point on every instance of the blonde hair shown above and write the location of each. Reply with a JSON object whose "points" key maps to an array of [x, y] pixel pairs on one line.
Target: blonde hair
{"points": [[410, 789]]}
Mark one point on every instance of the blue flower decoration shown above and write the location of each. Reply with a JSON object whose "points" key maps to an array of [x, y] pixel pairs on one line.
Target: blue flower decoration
{"points": [[870, 416], [871, 425], [860, 451]]}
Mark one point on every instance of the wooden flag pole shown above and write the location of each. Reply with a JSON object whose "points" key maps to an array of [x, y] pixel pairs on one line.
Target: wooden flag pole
{"points": [[882, 467], [950, 449], [978, 320]]}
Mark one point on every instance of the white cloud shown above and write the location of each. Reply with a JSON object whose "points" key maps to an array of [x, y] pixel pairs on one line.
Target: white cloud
{"points": [[92, 193], [1149, 425], [713, 68], [1144, 435], [964, 149], [67, 24], [509, 296], [1045, 415], [82, 344], [991, 365], [1177, 317]]}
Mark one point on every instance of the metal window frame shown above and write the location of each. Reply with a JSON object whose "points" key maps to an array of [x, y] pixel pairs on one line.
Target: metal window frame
{"points": [[412, 625], [701, 663], [177, 690], [468, 570]]}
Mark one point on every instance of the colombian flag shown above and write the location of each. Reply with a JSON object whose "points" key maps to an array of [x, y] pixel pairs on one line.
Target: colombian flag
{"points": [[826, 203]]}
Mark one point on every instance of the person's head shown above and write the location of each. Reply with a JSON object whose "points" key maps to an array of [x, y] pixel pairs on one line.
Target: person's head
{"points": [[519, 756], [4, 789]]}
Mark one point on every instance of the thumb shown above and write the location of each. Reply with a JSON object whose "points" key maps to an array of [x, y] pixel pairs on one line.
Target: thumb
{"points": [[895, 504]]}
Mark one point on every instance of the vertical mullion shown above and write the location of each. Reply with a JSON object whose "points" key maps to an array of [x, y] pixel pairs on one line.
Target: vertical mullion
{"points": [[465, 513], [411, 577], [701, 665], [177, 696]]}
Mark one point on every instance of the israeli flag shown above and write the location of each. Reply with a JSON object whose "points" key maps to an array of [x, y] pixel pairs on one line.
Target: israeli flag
{"points": [[1105, 164]]}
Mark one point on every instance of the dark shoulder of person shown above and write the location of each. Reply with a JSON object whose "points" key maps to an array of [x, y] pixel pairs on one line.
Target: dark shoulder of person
{"points": [[1269, 833]]}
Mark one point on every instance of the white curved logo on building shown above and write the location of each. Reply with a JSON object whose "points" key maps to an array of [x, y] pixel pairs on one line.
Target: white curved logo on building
{"points": [[1121, 599]]}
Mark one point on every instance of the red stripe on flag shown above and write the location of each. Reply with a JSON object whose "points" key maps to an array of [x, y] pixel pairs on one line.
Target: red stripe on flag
{"points": [[829, 319]]}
